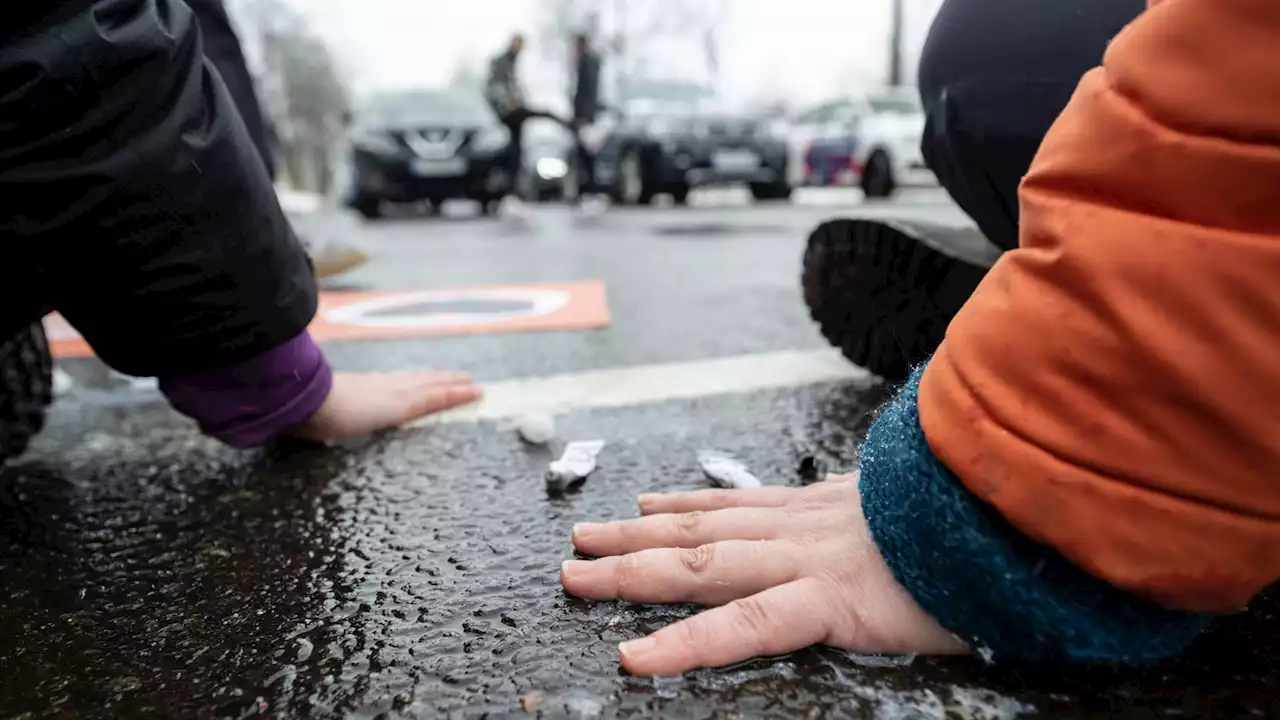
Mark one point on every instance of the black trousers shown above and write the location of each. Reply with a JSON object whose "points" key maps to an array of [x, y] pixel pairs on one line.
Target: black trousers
{"points": [[994, 76], [515, 124], [584, 164]]}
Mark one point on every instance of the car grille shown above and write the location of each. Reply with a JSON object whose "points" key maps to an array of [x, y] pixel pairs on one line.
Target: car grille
{"points": [[434, 141], [730, 131]]}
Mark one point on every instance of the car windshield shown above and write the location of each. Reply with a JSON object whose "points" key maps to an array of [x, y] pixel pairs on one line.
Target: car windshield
{"points": [[900, 105], [425, 107], [660, 107], [732, 124], [662, 116], [664, 91]]}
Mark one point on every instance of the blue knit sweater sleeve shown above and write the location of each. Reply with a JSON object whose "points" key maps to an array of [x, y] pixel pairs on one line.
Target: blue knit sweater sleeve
{"points": [[1005, 595]]}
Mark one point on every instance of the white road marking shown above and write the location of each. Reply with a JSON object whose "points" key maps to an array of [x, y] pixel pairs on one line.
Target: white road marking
{"points": [[646, 384], [537, 302]]}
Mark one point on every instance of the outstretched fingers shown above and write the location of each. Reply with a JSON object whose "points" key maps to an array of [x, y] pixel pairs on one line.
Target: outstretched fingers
{"points": [[708, 500], [684, 530], [709, 575], [776, 621], [432, 392]]}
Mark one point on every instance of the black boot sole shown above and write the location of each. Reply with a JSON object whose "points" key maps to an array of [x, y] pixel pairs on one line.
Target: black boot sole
{"points": [[883, 292]]}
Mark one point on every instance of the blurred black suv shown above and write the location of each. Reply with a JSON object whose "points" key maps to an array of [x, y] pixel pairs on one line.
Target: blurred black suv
{"points": [[427, 145], [675, 150]]}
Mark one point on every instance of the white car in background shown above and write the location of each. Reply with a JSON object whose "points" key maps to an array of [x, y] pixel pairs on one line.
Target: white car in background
{"points": [[807, 126], [872, 141]]}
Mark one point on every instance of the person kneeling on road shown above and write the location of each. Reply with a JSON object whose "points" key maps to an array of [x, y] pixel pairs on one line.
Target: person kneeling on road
{"points": [[149, 222], [1085, 470]]}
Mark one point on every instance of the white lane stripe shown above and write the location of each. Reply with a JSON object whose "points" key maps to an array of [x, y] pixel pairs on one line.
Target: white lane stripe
{"points": [[644, 384]]}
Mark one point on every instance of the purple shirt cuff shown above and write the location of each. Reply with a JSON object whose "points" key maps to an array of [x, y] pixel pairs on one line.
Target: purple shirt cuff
{"points": [[251, 402]]}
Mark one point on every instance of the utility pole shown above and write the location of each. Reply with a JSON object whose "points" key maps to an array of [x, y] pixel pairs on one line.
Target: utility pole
{"points": [[895, 45]]}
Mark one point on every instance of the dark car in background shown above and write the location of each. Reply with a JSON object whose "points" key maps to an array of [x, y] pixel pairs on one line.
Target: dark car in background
{"points": [[674, 148], [426, 146]]}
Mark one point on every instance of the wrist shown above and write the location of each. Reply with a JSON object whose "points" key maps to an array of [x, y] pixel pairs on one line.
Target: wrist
{"points": [[996, 589], [248, 403]]}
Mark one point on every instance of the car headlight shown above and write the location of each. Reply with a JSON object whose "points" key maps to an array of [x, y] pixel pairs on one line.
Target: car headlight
{"points": [[376, 142], [550, 168], [491, 139]]}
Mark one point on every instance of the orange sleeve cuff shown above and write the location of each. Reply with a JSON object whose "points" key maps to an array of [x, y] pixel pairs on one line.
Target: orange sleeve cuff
{"points": [[1111, 386]]}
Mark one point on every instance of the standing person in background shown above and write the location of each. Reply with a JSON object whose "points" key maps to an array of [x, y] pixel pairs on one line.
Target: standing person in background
{"points": [[222, 48], [586, 106], [506, 97]]}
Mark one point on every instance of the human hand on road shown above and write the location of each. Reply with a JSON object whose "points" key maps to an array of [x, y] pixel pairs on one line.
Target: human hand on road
{"points": [[361, 403], [790, 568]]}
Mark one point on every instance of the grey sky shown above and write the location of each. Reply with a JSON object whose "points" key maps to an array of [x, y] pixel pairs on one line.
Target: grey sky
{"points": [[803, 49]]}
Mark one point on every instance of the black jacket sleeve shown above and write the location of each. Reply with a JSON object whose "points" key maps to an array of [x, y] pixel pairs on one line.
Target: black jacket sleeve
{"points": [[222, 48], [132, 195]]}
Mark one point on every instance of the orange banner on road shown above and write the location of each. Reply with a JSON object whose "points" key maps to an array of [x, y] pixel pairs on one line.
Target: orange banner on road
{"points": [[347, 316]]}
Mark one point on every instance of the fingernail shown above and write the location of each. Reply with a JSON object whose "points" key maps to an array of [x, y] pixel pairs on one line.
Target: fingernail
{"points": [[572, 567], [647, 498], [632, 648], [586, 528]]}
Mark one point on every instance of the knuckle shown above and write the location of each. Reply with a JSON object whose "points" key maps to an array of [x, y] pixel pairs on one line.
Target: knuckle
{"points": [[849, 622], [691, 633], [688, 525], [697, 560], [813, 528], [753, 616], [628, 574]]}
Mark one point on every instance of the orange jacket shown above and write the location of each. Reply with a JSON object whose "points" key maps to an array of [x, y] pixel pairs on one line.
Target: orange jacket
{"points": [[1113, 386]]}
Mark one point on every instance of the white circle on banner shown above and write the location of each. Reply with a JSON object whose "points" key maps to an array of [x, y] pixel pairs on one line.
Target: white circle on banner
{"points": [[537, 303]]}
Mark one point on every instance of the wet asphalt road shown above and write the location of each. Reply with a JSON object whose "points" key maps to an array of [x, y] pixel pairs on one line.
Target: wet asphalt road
{"points": [[147, 572]]}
